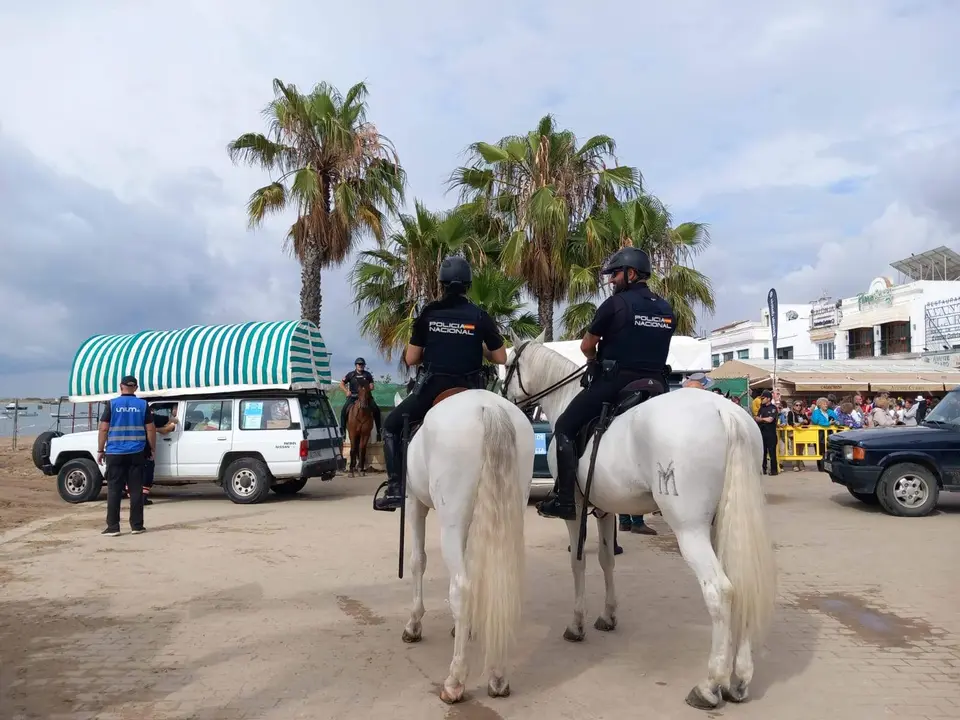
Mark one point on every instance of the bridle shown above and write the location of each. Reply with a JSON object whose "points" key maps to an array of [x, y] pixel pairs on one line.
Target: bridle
{"points": [[533, 398]]}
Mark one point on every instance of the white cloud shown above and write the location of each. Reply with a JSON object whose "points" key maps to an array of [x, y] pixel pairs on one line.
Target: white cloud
{"points": [[744, 115]]}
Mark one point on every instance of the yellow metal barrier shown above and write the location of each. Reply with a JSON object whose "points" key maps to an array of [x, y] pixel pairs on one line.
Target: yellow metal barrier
{"points": [[804, 443]]}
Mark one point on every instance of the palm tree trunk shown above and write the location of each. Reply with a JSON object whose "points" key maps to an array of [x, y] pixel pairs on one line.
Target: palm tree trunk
{"points": [[311, 297], [545, 315]]}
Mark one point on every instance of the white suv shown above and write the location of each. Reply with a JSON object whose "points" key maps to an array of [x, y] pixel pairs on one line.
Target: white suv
{"points": [[248, 443]]}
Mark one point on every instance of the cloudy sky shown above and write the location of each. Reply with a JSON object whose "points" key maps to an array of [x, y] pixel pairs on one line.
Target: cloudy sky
{"points": [[821, 142]]}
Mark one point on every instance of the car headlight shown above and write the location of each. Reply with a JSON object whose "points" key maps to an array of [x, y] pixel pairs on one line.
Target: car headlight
{"points": [[853, 452]]}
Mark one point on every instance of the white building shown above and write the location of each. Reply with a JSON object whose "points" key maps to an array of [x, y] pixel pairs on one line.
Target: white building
{"points": [[919, 318]]}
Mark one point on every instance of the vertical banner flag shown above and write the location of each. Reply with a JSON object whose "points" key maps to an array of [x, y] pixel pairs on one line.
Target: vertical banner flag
{"points": [[773, 310]]}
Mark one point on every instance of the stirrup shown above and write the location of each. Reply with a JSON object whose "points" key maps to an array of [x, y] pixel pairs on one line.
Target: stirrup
{"points": [[377, 496]]}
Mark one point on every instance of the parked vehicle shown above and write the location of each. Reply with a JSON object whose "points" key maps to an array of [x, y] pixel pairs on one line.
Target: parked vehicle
{"points": [[903, 469], [251, 412]]}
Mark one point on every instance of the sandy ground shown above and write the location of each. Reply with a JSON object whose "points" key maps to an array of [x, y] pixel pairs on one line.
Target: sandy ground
{"points": [[292, 609], [27, 494]]}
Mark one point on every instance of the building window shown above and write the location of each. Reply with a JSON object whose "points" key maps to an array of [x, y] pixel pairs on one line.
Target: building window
{"points": [[727, 356], [894, 338], [785, 353], [766, 353], [715, 359], [860, 343], [825, 350], [743, 354]]}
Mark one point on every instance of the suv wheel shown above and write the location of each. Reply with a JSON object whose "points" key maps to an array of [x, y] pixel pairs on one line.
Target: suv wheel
{"points": [[246, 481], [908, 490], [79, 481], [41, 448]]}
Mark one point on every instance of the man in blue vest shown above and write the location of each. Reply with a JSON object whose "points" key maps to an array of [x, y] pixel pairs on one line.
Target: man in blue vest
{"points": [[127, 436]]}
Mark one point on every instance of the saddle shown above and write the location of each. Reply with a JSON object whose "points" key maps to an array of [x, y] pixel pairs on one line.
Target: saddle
{"points": [[628, 398], [436, 401]]}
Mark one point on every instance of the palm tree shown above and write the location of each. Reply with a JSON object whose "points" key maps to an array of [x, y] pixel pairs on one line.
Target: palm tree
{"points": [[646, 223], [539, 186], [332, 166], [502, 297], [393, 282]]}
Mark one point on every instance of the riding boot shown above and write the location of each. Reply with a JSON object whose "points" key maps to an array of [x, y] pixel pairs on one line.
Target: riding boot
{"points": [[393, 496], [563, 504]]}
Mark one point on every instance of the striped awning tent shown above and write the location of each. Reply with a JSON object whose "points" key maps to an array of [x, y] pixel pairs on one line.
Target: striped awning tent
{"points": [[202, 359]]}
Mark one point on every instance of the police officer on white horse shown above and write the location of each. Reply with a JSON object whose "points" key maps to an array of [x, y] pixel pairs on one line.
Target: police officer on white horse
{"points": [[628, 340], [450, 340]]}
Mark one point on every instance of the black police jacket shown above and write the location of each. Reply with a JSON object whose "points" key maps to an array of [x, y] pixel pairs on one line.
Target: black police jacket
{"points": [[638, 338]]}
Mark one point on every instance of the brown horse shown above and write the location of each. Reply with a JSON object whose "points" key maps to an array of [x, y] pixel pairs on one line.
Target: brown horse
{"points": [[359, 427]]}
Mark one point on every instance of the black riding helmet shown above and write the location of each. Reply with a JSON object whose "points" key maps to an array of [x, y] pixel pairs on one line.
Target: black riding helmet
{"points": [[628, 257], [455, 273], [360, 361]]}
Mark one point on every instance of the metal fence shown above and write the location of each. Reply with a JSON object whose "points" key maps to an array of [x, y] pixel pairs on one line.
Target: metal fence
{"points": [[23, 419]]}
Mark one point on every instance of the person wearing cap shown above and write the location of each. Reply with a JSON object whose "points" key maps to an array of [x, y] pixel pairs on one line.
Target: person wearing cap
{"points": [[767, 416], [698, 380], [352, 391], [126, 437]]}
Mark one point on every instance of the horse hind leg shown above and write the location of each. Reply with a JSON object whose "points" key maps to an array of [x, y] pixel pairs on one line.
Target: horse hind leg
{"points": [[417, 512], [697, 550], [452, 546], [738, 691], [574, 631], [607, 621]]}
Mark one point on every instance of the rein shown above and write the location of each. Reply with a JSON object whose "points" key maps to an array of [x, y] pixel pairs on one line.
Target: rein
{"points": [[532, 398]]}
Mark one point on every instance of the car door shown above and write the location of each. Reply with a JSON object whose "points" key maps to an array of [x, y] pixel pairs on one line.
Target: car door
{"points": [[205, 437], [165, 459]]}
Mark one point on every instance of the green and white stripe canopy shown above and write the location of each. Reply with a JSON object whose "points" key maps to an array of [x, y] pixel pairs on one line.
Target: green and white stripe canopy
{"points": [[202, 359]]}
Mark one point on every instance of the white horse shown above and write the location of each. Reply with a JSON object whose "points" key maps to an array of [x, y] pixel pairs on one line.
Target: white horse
{"points": [[472, 461], [695, 456]]}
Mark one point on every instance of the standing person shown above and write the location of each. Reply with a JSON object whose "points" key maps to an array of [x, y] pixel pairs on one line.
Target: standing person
{"points": [[350, 389], [126, 436], [628, 340], [450, 340], [164, 426], [767, 420]]}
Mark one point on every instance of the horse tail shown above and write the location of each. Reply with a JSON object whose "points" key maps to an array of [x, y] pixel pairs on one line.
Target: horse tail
{"points": [[494, 556], [741, 539]]}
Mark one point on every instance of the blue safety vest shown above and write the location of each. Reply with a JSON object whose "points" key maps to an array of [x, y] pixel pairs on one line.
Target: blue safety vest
{"points": [[127, 433]]}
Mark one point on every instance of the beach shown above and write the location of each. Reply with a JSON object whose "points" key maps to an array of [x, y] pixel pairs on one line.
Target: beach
{"points": [[28, 494]]}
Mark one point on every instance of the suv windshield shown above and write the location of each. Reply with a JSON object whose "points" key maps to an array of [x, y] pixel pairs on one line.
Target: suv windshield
{"points": [[947, 410], [316, 412]]}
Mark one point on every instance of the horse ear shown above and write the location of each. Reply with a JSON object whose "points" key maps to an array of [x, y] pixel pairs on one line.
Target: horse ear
{"points": [[512, 336], [541, 338]]}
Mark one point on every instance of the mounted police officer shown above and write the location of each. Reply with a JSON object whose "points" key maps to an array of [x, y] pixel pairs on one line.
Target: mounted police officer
{"points": [[633, 328], [349, 385], [450, 339]]}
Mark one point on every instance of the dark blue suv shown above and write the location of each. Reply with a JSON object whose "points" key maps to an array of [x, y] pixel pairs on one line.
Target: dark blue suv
{"points": [[904, 469]]}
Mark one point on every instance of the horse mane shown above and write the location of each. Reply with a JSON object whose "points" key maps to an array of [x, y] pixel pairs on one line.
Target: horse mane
{"points": [[548, 361]]}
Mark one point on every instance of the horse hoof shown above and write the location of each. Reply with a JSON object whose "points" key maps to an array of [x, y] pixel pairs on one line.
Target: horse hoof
{"points": [[571, 636], [702, 701], [498, 687], [363, 474], [451, 695], [412, 637], [605, 625], [739, 693], [351, 474]]}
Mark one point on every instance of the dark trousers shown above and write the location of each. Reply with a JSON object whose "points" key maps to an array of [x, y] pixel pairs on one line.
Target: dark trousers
{"points": [[589, 403], [148, 468], [770, 451], [125, 471], [377, 420], [416, 406]]}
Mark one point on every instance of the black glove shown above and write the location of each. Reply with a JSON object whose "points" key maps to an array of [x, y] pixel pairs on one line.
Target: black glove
{"points": [[593, 368]]}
